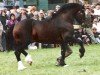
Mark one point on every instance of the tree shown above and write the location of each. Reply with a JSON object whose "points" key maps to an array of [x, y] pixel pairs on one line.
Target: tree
{"points": [[65, 1], [0, 0]]}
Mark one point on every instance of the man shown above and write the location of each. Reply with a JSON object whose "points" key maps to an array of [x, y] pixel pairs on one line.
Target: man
{"points": [[97, 9], [1, 29], [88, 25], [3, 19]]}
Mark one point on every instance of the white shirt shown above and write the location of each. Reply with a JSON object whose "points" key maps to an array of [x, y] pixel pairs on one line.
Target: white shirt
{"points": [[96, 12], [97, 26]]}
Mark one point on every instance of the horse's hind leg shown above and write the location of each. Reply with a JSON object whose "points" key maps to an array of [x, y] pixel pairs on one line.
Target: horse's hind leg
{"points": [[65, 52], [20, 64], [28, 58], [18, 51], [68, 51]]}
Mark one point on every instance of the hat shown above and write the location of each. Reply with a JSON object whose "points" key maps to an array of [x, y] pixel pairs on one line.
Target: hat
{"points": [[41, 11], [57, 6], [35, 13], [3, 8], [22, 8], [32, 8]]}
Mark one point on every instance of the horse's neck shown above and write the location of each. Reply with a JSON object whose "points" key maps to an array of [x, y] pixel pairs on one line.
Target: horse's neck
{"points": [[67, 17], [64, 17], [72, 14]]}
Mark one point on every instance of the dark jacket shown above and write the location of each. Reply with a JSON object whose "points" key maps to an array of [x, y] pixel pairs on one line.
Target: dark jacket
{"points": [[20, 16], [31, 15], [3, 21]]}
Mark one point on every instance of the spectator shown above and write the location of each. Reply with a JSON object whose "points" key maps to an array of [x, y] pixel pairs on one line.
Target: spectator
{"points": [[97, 9], [89, 24], [96, 24], [1, 30], [8, 12], [23, 15], [12, 21], [96, 34], [35, 16], [10, 24], [41, 15], [32, 10], [82, 35], [3, 18], [15, 12], [49, 14]]}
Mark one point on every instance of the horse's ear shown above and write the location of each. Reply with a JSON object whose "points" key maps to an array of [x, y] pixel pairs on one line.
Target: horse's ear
{"points": [[83, 7]]}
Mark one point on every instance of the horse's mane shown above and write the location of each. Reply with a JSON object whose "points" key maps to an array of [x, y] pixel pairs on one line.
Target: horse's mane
{"points": [[67, 7]]}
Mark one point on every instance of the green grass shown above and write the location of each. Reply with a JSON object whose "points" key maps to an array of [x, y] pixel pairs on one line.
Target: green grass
{"points": [[44, 61]]}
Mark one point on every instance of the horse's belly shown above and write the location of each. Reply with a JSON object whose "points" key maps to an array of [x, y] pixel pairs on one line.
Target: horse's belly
{"points": [[48, 39], [52, 35]]}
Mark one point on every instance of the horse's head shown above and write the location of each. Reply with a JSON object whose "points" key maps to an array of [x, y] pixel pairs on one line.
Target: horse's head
{"points": [[80, 15], [74, 10]]}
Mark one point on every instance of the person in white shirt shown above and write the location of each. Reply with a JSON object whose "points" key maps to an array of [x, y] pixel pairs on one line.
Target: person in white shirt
{"points": [[97, 9], [96, 24]]}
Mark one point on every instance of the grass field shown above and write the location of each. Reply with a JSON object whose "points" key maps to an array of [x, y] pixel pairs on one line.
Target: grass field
{"points": [[45, 59]]}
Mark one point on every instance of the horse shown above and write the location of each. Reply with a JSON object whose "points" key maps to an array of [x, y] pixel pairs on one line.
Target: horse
{"points": [[56, 30]]}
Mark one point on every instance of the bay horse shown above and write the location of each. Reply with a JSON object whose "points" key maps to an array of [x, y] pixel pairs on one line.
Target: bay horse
{"points": [[57, 30]]}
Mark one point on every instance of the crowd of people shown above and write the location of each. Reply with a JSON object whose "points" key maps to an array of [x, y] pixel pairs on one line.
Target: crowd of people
{"points": [[90, 33], [9, 17]]}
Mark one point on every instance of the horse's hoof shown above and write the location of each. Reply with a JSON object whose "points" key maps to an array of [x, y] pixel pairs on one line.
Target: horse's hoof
{"points": [[28, 59], [30, 62], [21, 68], [81, 55], [59, 64], [65, 65]]}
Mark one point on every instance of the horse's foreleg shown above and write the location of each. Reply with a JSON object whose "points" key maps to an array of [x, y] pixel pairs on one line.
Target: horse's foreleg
{"points": [[65, 52], [20, 64], [82, 49]]}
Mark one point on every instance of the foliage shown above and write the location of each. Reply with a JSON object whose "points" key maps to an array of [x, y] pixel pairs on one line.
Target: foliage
{"points": [[44, 62], [0, 0]]}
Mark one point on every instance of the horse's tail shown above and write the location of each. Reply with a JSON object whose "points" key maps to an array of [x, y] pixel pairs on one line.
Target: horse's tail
{"points": [[16, 36], [22, 32]]}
